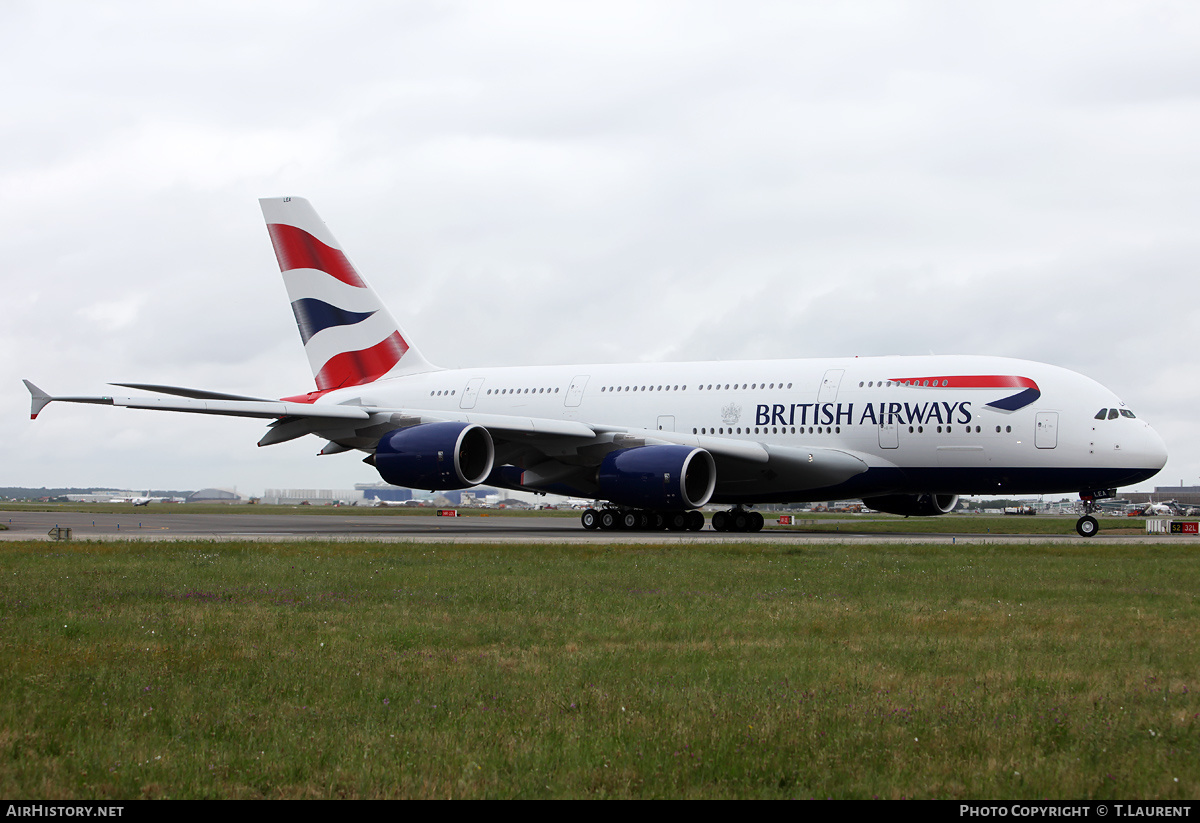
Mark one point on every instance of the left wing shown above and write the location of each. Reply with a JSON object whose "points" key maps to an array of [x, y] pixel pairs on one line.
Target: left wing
{"points": [[198, 402], [294, 419], [541, 441], [298, 419]]}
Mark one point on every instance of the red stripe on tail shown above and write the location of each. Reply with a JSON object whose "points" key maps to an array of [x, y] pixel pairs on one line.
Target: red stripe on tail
{"points": [[354, 368], [297, 249]]}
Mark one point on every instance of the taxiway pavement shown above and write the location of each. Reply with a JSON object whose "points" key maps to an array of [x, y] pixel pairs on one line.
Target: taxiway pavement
{"points": [[151, 524]]}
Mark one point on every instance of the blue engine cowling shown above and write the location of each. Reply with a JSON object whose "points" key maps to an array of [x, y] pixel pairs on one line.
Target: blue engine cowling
{"points": [[436, 456], [913, 505], [658, 477]]}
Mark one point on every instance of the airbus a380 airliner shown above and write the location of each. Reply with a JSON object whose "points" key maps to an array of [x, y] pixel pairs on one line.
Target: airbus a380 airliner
{"points": [[907, 435]]}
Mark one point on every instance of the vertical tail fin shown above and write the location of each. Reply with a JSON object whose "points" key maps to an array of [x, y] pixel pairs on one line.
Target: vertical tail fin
{"points": [[349, 335]]}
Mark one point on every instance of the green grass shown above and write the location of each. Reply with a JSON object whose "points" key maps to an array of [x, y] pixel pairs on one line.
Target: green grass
{"points": [[366, 670]]}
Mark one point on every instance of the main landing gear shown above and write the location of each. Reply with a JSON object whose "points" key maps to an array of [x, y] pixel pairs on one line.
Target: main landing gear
{"points": [[737, 519], [611, 519]]}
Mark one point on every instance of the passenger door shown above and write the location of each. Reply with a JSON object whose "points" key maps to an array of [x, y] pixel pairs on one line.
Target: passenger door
{"points": [[1046, 434]]}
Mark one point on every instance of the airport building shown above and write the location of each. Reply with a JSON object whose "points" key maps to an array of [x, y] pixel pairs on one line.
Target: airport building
{"points": [[384, 491], [374, 494], [377, 492], [1184, 495], [312, 497], [103, 497], [216, 496]]}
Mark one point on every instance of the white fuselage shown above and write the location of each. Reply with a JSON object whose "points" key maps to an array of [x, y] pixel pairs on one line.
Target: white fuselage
{"points": [[950, 438], [906, 434]]}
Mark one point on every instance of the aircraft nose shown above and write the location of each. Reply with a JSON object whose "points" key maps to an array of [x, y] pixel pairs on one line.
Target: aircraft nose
{"points": [[1151, 449]]}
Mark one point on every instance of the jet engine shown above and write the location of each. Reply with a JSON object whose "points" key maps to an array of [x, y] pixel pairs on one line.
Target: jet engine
{"points": [[436, 456], [658, 477], [914, 505]]}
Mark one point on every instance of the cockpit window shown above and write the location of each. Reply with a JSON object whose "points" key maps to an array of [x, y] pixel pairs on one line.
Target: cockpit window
{"points": [[1112, 414], [1128, 413], [1103, 413]]}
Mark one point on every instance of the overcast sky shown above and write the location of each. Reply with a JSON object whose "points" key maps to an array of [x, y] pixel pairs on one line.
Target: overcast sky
{"points": [[552, 182]]}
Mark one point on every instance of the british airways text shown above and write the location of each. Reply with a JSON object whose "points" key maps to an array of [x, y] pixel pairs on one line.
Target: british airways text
{"points": [[877, 414]]}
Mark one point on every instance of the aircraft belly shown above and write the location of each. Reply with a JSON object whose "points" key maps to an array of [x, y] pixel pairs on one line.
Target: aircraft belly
{"points": [[961, 456]]}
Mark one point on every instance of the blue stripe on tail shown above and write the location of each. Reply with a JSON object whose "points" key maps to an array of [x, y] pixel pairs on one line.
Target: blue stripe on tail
{"points": [[314, 315]]}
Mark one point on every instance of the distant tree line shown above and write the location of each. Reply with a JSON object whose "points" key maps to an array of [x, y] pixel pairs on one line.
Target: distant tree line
{"points": [[24, 493]]}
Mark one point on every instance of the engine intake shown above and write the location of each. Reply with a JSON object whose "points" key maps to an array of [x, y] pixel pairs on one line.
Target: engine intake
{"points": [[913, 505], [658, 477], [436, 456]]}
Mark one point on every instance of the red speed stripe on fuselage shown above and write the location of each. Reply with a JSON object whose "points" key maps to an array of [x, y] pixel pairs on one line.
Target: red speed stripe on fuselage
{"points": [[968, 381], [297, 249], [354, 368], [1029, 391]]}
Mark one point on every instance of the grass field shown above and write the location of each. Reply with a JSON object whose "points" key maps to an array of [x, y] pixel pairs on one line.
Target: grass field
{"points": [[367, 670]]}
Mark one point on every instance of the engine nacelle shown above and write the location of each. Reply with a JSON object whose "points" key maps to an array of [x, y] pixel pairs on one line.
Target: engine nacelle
{"points": [[436, 456], [913, 505], [658, 477]]}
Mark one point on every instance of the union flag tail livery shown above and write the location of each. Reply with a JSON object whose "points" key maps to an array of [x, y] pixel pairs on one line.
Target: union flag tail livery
{"points": [[350, 337], [658, 441]]}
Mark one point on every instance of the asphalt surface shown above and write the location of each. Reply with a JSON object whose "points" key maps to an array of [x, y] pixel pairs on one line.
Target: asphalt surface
{"points": [[147, 523]]}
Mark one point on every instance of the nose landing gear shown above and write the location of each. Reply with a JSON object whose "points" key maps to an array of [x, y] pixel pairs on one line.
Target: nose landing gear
{"points": [[1087, 525]]}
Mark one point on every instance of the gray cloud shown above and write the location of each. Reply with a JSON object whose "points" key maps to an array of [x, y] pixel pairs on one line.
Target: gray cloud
{"points": [[538, 182]]}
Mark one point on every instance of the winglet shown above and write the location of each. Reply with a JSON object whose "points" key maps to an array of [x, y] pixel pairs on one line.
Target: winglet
{"points": [[38, 399]]}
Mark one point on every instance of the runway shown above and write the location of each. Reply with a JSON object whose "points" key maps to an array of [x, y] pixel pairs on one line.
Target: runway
{"points": [[151, 524]]}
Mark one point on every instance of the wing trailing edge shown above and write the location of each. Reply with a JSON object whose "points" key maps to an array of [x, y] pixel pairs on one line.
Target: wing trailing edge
{"points": [[203, 403]]}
